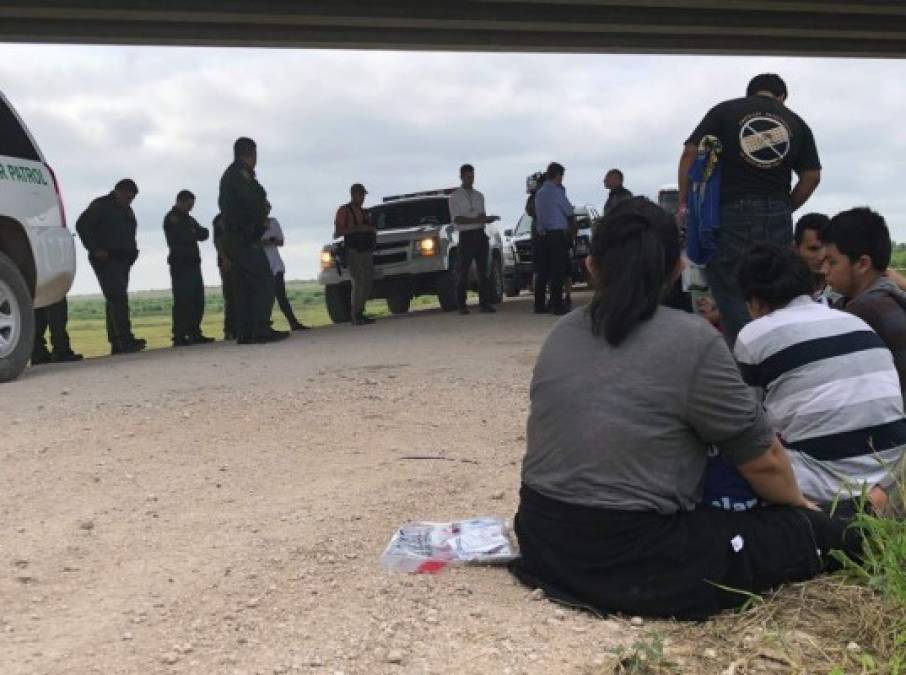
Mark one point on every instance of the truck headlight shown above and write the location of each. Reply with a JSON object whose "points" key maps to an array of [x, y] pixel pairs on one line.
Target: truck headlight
{"points": [[427, 247], [326, 260]]}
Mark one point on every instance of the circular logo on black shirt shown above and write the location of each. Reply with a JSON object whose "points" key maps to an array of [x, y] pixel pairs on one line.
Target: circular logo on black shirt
{"points": [[764, 141]]}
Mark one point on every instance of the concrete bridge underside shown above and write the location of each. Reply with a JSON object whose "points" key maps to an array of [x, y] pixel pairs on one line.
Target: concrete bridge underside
{"points": [[851, 28]]}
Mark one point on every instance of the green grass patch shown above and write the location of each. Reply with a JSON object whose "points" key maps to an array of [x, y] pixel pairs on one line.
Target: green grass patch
{"points": [[883, 567], [151, 313]]}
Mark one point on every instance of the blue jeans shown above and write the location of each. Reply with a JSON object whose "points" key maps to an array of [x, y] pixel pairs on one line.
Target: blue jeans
{"points": [[746, 221]]}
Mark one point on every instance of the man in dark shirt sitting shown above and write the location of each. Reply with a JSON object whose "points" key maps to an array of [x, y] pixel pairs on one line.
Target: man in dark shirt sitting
{"points": [[858, 253], [809, 244]]}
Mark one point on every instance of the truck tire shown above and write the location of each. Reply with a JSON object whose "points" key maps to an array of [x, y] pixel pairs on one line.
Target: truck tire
{"points": [[398, 300], [497, 289], [338, 298], [511, 289], [447, 285], [17, 321]]}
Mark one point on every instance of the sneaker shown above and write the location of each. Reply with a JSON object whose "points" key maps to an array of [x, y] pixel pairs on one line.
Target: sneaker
{"points": [[487, 309], [66, 357], [40, 358], [201, 339]]}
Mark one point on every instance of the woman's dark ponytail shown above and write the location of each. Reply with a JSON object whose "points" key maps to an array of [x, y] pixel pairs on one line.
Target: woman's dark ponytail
{"points": [[635, 248]]}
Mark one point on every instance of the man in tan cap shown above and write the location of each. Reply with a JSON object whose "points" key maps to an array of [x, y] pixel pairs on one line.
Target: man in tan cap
{"points": [[354, 225]]}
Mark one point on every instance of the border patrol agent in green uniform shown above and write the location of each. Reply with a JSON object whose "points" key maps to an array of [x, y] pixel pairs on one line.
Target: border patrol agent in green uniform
{"points": [[55, 317], [107, 230], [183, 234], [244, 207], [230, 325]]}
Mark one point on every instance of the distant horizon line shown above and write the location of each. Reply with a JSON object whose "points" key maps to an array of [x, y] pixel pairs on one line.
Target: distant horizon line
{"points": [[170, 290]]}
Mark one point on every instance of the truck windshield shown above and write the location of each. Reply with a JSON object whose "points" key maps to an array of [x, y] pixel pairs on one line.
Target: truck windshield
{"points": [[399, 215], [524, 226]]}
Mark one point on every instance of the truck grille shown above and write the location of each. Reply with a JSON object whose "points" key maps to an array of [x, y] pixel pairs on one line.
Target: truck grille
{"points": [[389, 258], [386, 245]]}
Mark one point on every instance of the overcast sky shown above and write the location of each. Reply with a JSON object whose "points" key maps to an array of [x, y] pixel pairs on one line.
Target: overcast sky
{"points": [[405, 121]]}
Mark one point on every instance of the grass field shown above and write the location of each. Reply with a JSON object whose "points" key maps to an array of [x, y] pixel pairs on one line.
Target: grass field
{"points": [[151, 315]]}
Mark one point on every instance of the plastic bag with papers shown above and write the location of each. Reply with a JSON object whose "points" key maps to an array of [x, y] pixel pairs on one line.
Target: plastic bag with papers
{"points": [[427, 548]]}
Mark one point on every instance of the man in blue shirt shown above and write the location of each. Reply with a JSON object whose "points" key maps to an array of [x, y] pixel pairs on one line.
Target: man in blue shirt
{"points": [[554, 220]]}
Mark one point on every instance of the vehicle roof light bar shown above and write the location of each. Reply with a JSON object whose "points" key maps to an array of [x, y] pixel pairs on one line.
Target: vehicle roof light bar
{"points": [[441, 192]]}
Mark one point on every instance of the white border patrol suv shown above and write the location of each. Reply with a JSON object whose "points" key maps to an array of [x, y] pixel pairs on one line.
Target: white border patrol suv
{"points": [[37, 255], [417, 253]]}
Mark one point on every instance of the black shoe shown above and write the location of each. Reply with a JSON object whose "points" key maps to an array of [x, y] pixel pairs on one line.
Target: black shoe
{"points": [[271, 336], [66, 357], [40, 358], [229, 337], [246, 340], [487, 309], [542, 310], [362, 320], [559, 310], [201, 339], [129, 347], [182, 342], [299, 326], [464, 311]]}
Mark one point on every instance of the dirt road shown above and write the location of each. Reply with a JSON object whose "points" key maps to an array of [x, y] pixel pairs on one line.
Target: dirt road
{"points": [[222, 509]]}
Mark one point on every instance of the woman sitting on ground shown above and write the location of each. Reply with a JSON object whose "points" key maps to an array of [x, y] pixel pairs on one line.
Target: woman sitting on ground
{"points": [[625, 400]]}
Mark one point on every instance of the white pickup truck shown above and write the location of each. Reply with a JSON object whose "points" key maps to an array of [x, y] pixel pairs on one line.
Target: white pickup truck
{"points": [[37, 255], [417, 253]]}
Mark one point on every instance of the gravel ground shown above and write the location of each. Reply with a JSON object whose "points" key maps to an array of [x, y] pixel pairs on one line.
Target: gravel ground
{"points": [[222, 509]]}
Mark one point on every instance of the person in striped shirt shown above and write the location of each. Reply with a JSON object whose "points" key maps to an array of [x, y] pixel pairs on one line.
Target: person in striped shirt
{"points": [[829, 385]]}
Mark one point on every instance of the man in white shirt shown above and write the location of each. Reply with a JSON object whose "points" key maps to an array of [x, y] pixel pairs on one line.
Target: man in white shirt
{"points": [[270, 240], [469, 218]]}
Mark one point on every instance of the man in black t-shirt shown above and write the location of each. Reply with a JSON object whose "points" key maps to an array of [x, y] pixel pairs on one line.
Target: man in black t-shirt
{"points": [[763, 143]]}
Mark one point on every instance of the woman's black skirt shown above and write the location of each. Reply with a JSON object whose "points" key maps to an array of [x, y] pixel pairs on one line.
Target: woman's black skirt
{"points": [[689, 565]]}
